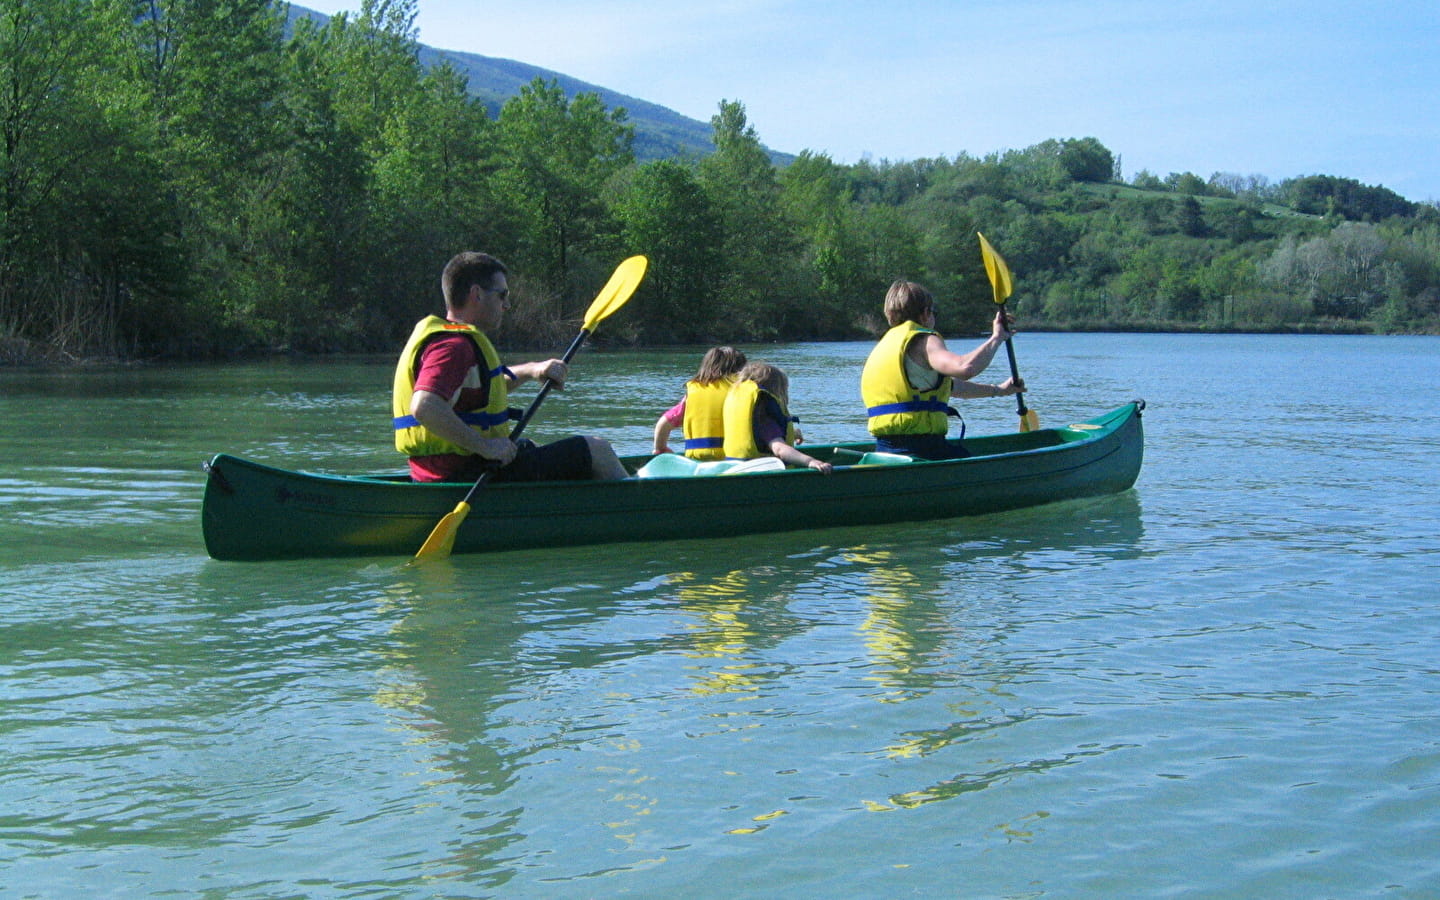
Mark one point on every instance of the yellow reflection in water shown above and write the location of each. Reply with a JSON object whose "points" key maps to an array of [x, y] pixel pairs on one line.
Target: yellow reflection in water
{"points": [[719, 633], [889, 644], [763, 817]]}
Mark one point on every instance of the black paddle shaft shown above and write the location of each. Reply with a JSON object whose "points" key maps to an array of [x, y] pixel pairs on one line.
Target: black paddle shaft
{"points": [[545, 388], [530, 410], [1014, 369]]}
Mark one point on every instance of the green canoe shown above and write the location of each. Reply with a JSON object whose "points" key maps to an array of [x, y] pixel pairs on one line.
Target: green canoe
{"points": [[256, 512]]}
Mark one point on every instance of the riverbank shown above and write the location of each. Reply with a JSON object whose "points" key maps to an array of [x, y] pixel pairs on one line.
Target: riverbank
{"points": [[21, 353]]}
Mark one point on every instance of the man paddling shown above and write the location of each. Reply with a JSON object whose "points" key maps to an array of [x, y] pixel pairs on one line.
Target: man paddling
{"points": [[450, 396]]}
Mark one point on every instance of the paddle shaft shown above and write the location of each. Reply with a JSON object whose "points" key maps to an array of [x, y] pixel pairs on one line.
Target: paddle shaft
{"points": [[1014, 372], [530, 410]]}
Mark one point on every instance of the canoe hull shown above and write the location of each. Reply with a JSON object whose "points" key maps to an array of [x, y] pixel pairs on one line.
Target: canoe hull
{"points": [[256, 512]]}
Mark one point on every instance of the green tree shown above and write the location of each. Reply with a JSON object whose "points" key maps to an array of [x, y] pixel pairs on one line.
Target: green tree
{"points": [[208, 73], [666, 215], [82, 225], [303, 233], [42, 59], [1345, 197], [1187, 183], [1237, 222], [212, 72], [432, 187], [756, 243], [816, 197], [1052, 164], [330, 234], [1036, 242], [1158, 282], [556, 157], [1414, 245], [1086, 159], [1148, 181], [888, 248], [1190, 219], [1225, 282]]}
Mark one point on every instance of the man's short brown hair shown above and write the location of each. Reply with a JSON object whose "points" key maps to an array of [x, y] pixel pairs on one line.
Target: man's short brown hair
{"points": [[463, 271]]}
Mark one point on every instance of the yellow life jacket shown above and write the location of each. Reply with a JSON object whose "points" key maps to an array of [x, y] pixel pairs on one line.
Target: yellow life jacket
{"points": [[892, 404], [705, 418], [740, 406], [414, 439]]}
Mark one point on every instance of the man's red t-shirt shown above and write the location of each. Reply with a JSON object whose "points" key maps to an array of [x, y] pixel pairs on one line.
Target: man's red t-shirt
{"points": [[450, 367]]}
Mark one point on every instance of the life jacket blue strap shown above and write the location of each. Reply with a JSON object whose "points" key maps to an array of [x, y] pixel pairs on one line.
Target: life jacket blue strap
{"points": [[482, 419], [908, 406], [772, 406], [485, 419], [709, 443]]}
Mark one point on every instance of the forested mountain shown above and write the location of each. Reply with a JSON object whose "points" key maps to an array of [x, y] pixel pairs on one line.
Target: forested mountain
{"points": [[660, 133], [210, 177]]}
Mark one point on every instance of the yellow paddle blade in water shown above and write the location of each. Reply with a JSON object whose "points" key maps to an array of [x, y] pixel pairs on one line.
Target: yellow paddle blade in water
{"points": [[442, 539], [1029, 421], [1000, 282]]}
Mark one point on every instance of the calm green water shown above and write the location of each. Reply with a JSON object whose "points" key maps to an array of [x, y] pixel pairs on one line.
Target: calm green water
{"points": [[1222, 684]]}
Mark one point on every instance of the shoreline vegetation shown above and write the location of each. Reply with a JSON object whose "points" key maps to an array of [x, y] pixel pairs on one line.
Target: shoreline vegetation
{"points": [[212, 182], [25, 355]]}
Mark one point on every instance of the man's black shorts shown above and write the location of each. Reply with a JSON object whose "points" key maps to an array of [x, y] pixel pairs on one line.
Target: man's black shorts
{"points": [[567, 459]]}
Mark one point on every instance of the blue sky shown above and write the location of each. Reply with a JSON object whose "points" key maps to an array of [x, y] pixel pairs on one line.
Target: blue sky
{"points": [[1278, 89]]}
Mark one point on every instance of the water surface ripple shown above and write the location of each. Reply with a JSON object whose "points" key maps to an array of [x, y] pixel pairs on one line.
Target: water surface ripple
{"points": [[1221, 684]]}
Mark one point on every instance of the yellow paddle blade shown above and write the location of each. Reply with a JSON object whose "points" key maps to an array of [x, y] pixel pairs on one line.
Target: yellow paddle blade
{"points": [[1000, 282], [442, 540], [616, 291], [1030, 421]]}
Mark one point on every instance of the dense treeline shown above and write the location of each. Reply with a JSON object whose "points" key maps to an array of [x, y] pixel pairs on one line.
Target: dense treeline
{"points": [[192, 177]]}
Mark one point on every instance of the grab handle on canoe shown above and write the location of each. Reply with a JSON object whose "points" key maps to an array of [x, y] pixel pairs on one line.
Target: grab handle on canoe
{"points": [[213, 471]]}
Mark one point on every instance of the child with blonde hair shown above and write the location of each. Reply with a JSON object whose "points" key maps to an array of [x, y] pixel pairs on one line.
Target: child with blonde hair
{"points": [[758, 421]]}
